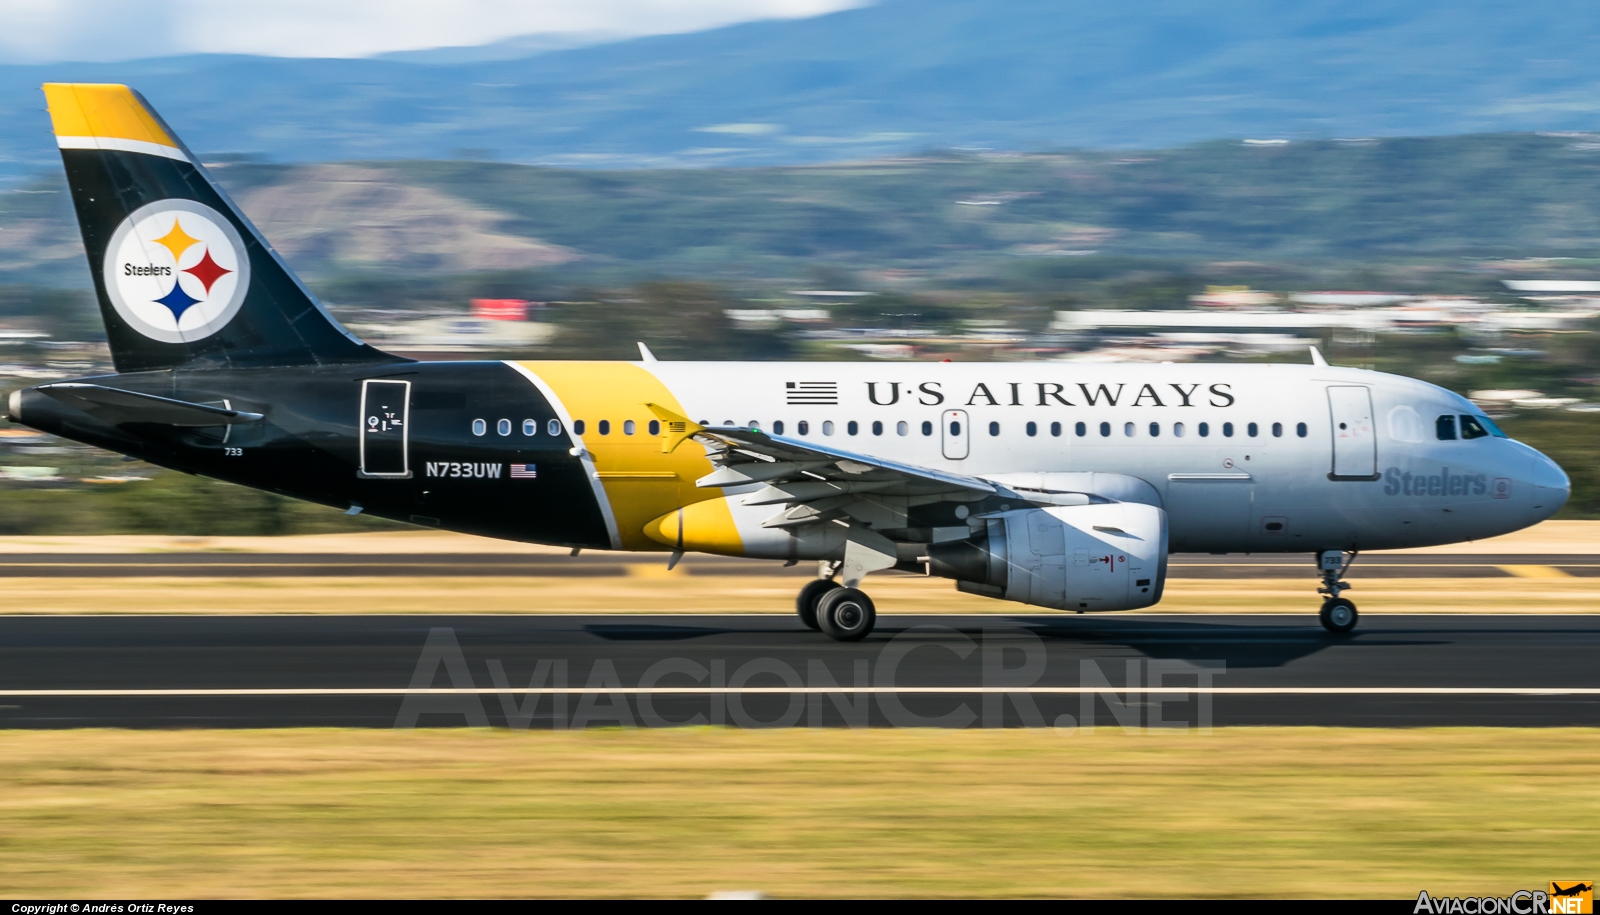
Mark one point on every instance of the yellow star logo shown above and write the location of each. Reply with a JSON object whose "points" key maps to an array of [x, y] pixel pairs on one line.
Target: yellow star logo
{"points": [[177, 241]]}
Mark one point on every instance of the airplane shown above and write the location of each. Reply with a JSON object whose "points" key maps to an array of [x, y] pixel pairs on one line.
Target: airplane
{"points": [[1056, 485], [1577, 889]]}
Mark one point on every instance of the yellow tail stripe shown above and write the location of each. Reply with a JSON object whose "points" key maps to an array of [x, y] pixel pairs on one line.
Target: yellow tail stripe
{"points": [[83, 112]]}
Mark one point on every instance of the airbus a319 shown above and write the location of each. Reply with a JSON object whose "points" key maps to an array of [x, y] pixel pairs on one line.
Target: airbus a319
{"points": [[1054, 485]]}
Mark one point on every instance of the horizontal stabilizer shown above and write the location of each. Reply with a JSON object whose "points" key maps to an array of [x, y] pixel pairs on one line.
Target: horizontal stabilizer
{"points": [[117, 406]]}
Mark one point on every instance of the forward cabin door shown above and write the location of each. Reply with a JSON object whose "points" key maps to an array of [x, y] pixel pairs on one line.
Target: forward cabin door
{"points": [[385, 427], [955, 434], [1355, 444]]}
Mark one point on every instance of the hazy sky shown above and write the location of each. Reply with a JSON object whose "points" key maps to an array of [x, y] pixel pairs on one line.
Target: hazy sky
{"points": [[53, 30]]}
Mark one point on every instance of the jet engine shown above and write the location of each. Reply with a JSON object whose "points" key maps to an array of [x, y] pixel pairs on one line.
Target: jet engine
{"points": [[1109, 556]]}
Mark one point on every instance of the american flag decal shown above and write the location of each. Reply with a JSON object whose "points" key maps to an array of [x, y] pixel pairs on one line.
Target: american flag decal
{"points": [[811, 393], [524, 472]]}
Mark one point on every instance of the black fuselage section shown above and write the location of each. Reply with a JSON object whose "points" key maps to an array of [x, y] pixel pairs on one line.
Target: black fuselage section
{"points": [[438, 468]]}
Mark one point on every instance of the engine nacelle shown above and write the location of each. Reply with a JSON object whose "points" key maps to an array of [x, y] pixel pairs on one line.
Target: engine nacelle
{"points": [[1081, 557]]}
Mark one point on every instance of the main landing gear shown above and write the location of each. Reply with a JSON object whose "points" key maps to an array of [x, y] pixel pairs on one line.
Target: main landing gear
{"points": [[1338, 614], [845, 614]]}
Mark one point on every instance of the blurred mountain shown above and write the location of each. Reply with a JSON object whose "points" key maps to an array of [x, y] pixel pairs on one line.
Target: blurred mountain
{"points": [[900, 76], [517, 46], [1038, 222]]}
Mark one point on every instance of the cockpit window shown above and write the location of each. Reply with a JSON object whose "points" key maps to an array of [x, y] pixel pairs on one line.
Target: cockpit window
{"points": [[1479, 426], [1445, 428]]}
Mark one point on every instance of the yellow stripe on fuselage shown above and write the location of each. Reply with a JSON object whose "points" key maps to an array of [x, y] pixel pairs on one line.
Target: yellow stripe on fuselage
{"points": [[640, 482]]}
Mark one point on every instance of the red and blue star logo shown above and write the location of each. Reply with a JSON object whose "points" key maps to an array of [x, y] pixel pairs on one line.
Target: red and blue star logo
{"points": [[207, 271]]}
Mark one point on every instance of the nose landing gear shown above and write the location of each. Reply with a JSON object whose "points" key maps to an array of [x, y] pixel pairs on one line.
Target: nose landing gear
{"points": [[1338, 614]]}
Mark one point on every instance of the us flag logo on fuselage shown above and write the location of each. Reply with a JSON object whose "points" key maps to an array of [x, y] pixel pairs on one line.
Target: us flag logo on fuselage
{"points": [[524, 472], [812, 393]]}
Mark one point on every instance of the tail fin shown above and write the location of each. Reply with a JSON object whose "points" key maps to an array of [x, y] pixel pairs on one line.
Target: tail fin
{"points": [[182, 276]]}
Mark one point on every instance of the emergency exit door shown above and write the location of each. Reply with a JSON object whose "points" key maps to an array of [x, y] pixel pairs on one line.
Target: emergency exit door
{"points": [[955, 434], [1355, 444], [385, 427]]}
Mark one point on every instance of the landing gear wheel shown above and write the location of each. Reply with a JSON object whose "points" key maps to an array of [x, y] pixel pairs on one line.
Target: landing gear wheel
{"points": [[1338, 615], [805, 603], [846, 614]]}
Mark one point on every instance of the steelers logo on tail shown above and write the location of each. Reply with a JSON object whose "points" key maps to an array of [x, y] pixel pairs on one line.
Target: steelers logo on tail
{"points": [[177, 271]]}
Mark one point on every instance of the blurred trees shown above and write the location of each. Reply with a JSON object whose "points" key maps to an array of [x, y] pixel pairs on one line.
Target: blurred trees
{"points": [[676, 319], [897, 311], [173, 503]]}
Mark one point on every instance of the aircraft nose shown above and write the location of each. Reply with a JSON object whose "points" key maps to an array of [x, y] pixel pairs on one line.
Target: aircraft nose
{"points": [[1550, 484]]}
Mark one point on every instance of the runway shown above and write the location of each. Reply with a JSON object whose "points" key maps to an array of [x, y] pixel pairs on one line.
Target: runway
{"points": [[601, 564], [1067, 672]]}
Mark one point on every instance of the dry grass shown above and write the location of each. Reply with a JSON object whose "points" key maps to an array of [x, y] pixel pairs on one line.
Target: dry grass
{"points": [[1239, 812], [651, 589]]}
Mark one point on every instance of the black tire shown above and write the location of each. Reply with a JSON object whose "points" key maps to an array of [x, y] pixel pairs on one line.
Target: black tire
{"points": [[1338, 615], [805, 603], [846, 614]]}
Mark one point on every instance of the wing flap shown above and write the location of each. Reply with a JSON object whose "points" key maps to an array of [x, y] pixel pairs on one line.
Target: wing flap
{"points": [[749, 453]]}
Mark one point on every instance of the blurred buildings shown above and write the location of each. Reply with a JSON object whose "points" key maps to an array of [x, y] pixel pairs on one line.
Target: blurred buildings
{"points": [[492, 324]]}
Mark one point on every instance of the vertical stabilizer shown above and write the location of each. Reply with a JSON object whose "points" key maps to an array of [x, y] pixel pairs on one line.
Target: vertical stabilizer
{"points": [[182, 277]]}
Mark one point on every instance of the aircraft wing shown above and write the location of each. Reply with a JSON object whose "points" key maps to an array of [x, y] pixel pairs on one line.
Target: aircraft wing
{"points": [[811, 482], [117, 406]]}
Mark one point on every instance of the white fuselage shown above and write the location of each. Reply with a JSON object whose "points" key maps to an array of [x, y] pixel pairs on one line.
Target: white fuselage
{"points": [[1265, 458]]}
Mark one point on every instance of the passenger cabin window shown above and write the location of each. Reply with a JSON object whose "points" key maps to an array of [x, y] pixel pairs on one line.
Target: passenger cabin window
{"points": [[1471, 428], [1300, 429], [1055, 429], [530, 427], [655, 427], [503, 427], [927, 427], [852, 427], [1277, 430], [577, 426], [553, 427], [628, 427], [603, 427], [955, 428], [1227, 430], [877, 427], [1127, 429], [804, 427], [1032, 429], [1205, 430], [1252, 429], [1445, 428], [1177, 430], [777, 427], [902, 427], [1105, 430], [1081, 429], [994, 428], [827, 427], [479, 427]]}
